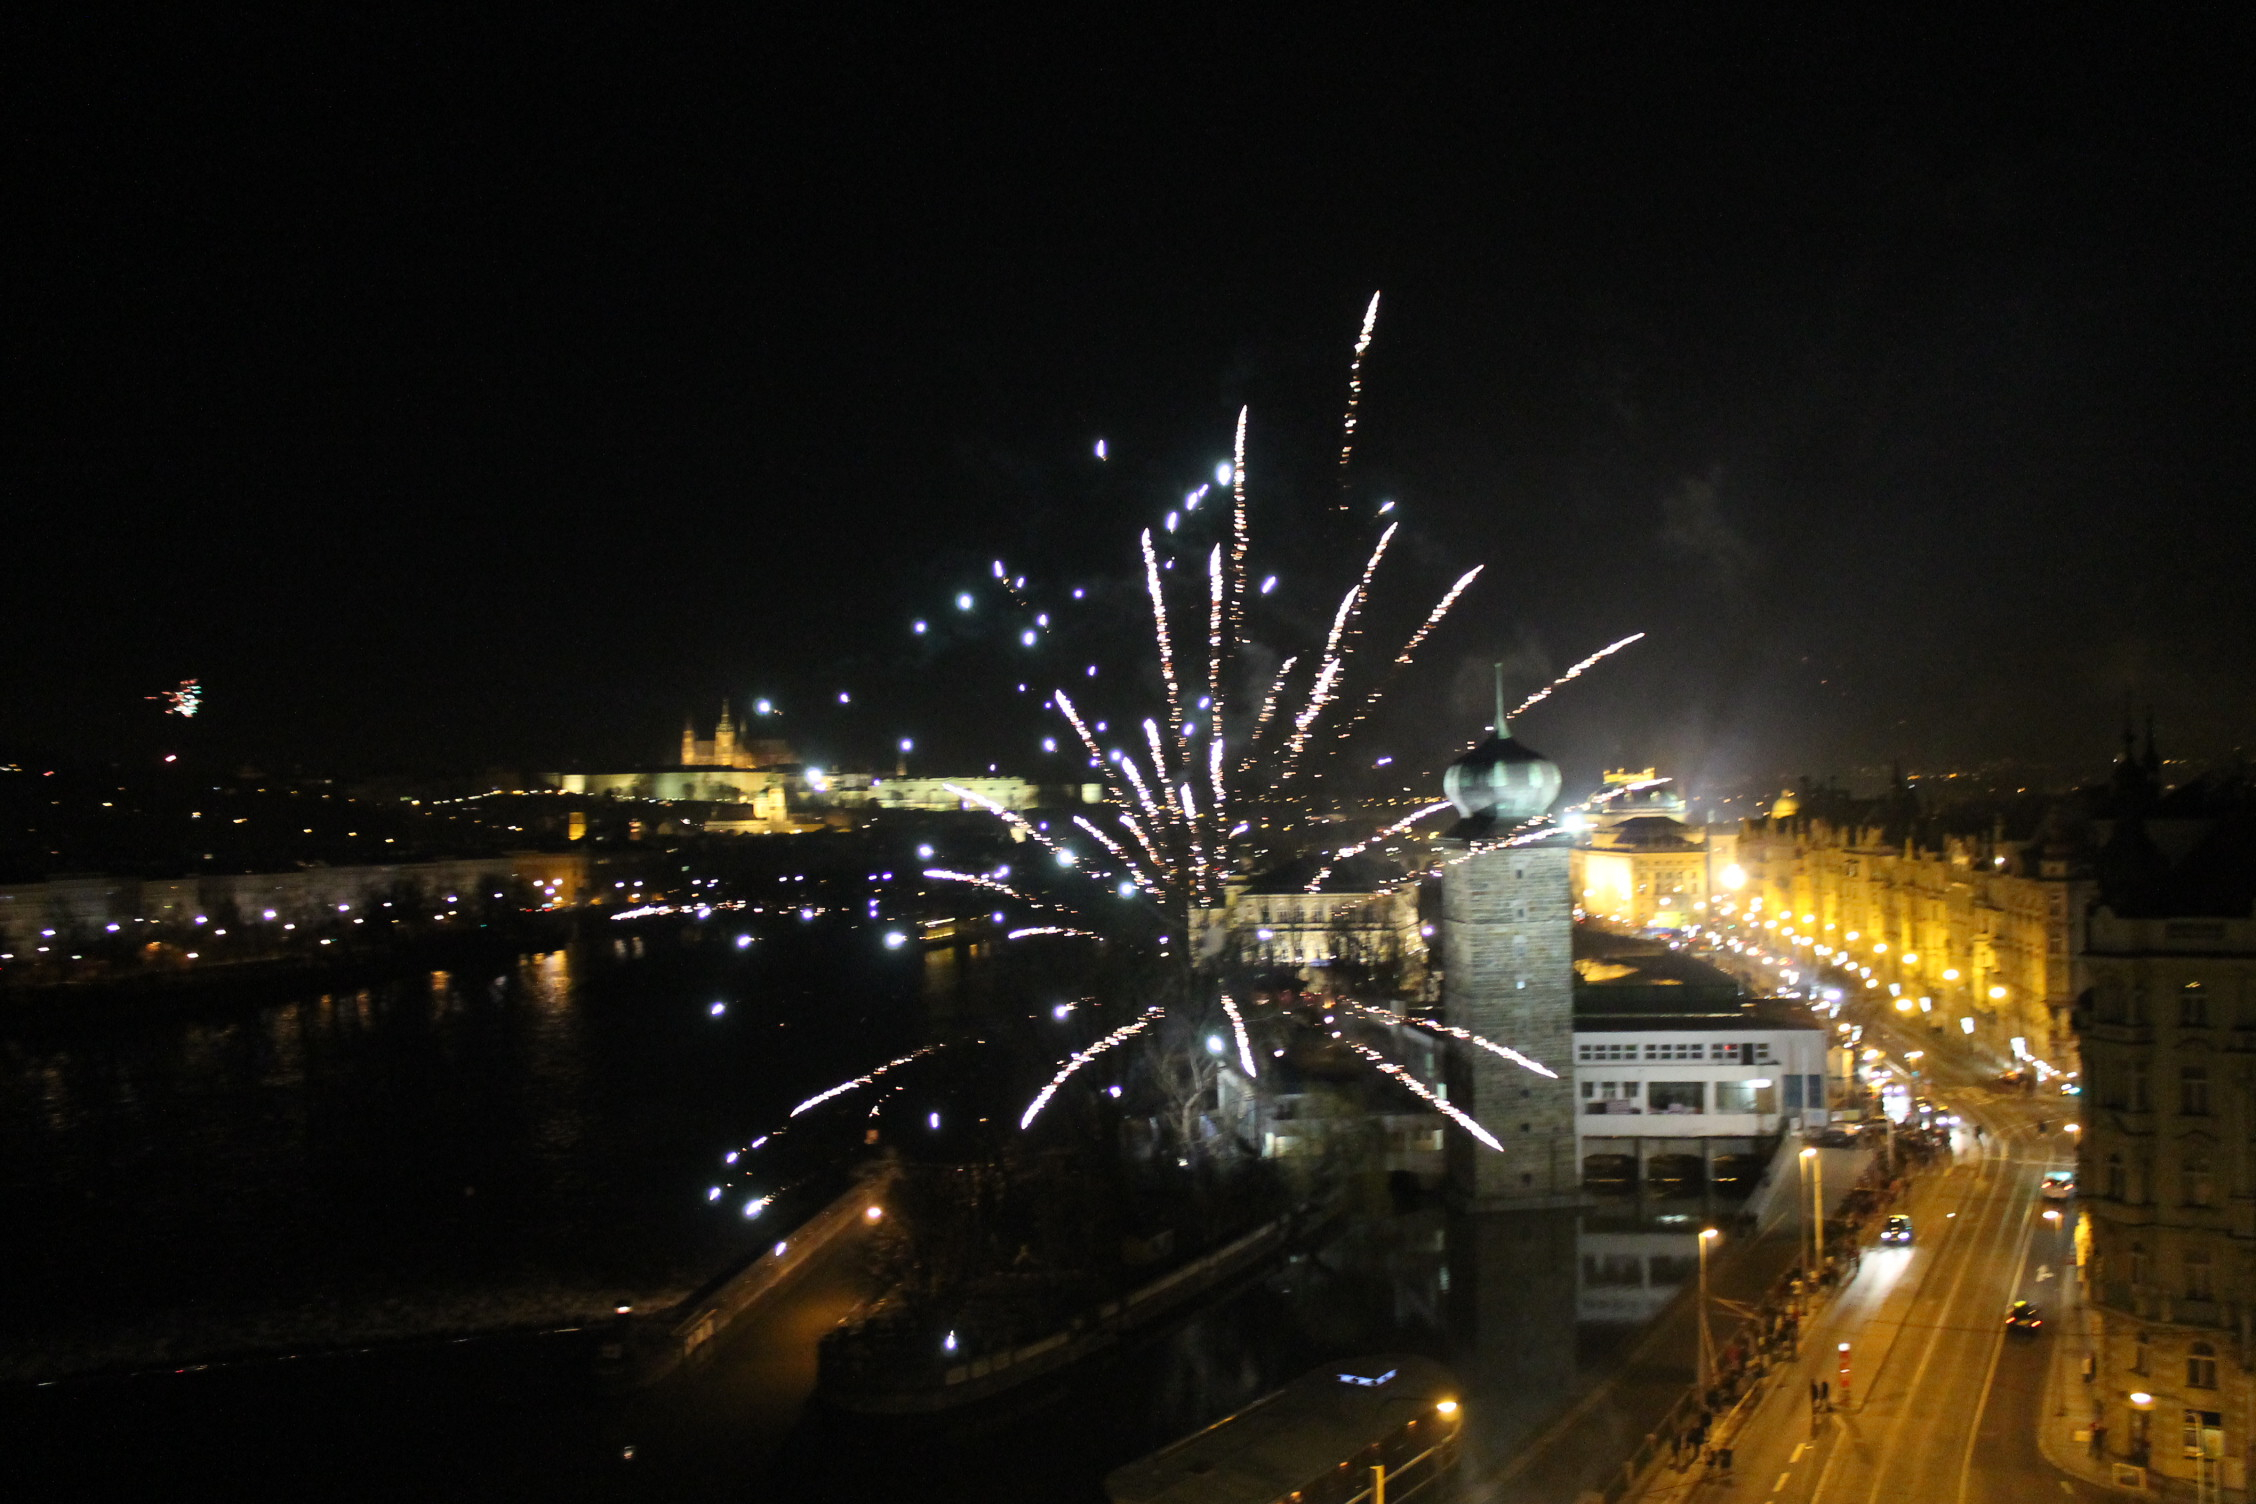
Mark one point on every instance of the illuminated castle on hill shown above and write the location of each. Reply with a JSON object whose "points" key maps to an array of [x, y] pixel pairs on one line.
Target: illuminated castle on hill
{"points": [[724, 750]]}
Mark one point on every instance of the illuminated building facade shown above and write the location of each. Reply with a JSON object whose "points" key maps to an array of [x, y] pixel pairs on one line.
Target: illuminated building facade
{"points": [[1642, 871], [1974, 935], [2166, 1007], [1355, 916], [724, 750]]}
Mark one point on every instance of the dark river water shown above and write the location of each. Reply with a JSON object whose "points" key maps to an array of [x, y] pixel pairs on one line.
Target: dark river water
{"points": [[524, 1147]]}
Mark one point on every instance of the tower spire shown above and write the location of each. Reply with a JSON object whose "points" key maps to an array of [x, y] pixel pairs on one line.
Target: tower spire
{"points": [[1502, 731]]}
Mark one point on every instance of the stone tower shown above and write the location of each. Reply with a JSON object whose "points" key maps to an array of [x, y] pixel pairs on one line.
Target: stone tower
{"points": [[1508, 957]]}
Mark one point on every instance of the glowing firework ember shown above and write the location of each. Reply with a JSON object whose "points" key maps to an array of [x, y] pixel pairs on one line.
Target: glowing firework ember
{"points": [[1503, 1051], [183, 701], [1576, 672], [1355, 393], [1419, 1089], [1080, 1058], [844, 1087], [1237, 1027]]}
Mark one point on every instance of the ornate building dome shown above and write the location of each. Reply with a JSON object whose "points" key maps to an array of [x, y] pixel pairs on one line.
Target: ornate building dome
{"points": [[1508, 781]]}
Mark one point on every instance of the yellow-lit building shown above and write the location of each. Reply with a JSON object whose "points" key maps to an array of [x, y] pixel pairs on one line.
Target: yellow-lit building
{"points": [[1973, 935], [723, 749], [1641, 872]]}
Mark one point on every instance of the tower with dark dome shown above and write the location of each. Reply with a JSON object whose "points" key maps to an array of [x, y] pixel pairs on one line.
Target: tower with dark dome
{"points": [[1507, 943], [1502, 782]]}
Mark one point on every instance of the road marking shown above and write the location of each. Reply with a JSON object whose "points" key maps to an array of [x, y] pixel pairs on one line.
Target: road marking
{"points": [[1799, 1448], [1997, 1351], [1780, 1485]]}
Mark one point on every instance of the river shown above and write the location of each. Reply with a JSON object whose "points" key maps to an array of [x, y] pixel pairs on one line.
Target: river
{"points": [[518, 1152]]}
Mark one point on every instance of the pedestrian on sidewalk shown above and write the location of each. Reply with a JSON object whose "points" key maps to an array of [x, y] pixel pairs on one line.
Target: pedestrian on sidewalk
{"points": [[2099, 1439], [1825, 1396]]}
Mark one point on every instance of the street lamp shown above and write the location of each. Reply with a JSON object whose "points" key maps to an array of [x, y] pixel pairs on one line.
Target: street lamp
{"points": [[1707, 1343], [1815, 1166]]}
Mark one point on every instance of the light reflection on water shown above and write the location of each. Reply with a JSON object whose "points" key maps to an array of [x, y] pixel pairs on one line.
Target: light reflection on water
{"points": [[520, 1145], [1528, 1308]]}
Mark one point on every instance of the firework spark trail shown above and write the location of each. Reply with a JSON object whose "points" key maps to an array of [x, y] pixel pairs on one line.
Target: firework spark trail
{"points": [[1268, 708], [1079, 1058], [1214, 776], [942, 874], [1433, 617], [1198, 883], [1576, 672], [1052, 929], [1215, 601], [1373, 839], [1166, 644], [1143, 797], [1237, 1027], [1214, 614], [843, 1087], [1320, 694], [1065, 707], [1401, 659], [1159, 771], [1119, 852], [1009, 817], [1419, 1089], [1355, 393], [1490, 1045], [1143, 839], [1238, 535]]}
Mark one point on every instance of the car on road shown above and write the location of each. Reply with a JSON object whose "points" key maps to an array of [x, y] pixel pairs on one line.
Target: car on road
{"points": [[2023, 1319], [2058, 1185], [1896, 1231]]}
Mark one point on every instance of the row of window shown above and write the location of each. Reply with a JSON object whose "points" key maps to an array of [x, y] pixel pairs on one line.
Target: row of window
{"points": [[2129, 1089], [2197, 1181], [2201, 1364], [1692, 1096], [1731, 1052], [2119, 1007]]}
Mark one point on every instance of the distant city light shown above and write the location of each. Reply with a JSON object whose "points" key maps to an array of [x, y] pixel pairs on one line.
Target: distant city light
{"points": [[718, 1009], [918, 627], [1173, 518], [744, 942], [1027, 637], [963, 601], [925, 852], [1268, 584], [908, 744], [1049, 744], [1079, 593], [1100, 449], [932, 1121], [1222, 473], [1385, 507], [763, 707], [894, 939], [844, 697]]}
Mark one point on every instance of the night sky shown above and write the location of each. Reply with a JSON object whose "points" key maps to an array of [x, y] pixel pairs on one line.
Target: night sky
{"points": [[494, 394]]}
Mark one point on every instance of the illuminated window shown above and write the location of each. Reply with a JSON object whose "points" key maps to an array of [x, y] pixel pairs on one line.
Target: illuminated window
{"points": [[2201, 1367]]}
